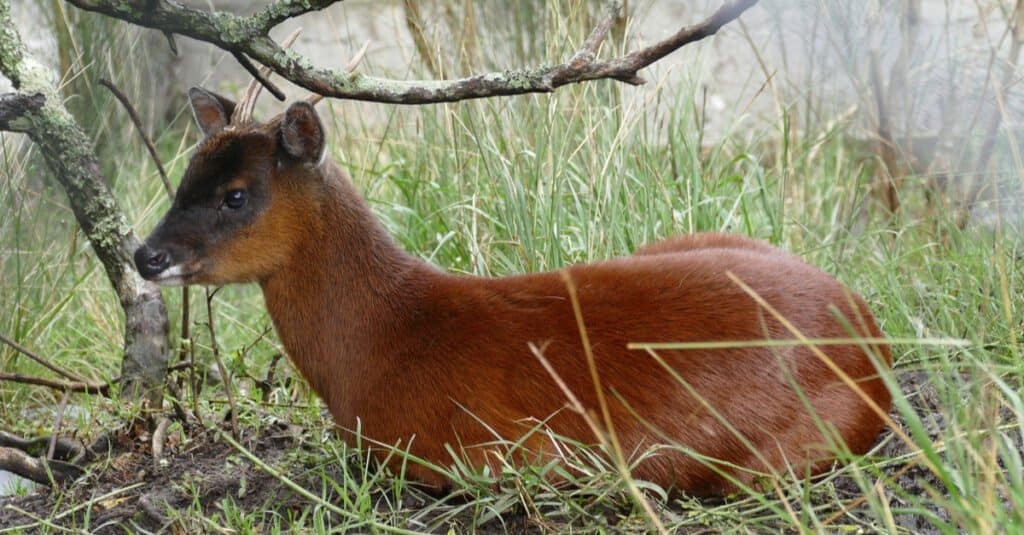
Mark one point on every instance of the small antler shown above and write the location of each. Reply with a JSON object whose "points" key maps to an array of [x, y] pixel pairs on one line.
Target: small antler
{"points": [[315, 98], [246, 105]]}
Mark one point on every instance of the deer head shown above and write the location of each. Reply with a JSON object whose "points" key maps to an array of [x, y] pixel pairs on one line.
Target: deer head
{"points": [[230, 220]]}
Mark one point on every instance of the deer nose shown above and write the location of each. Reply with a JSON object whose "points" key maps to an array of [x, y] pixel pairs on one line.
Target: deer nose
{"points": [[151, 262]]}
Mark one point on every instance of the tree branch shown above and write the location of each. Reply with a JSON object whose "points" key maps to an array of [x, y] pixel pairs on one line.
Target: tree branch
{"points": [[588, 51], [255, 73], [65, 449], [34, 469], [249, 36], [14, 106], [66, 386], [282, 10], [82, 386]]}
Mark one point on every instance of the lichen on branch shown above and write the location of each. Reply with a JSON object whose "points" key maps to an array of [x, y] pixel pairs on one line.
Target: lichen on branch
{"points": [[248, 36]]}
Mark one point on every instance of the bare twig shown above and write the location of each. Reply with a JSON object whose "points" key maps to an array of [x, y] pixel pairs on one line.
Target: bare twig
{"points": [[134, 116], [84, 387], [249, 36], [45, 363], [228, 388], [282, 10], [588, 51], [176, 397], [255, 73], [267, 384], [68, 386], [184, 341], [63, 406]]}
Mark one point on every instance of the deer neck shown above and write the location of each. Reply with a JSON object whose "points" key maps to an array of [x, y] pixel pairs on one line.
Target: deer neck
{"points": [[341, 298]]}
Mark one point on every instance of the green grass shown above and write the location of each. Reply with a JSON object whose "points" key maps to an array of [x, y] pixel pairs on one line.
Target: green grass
{"points": [[534, 183]]}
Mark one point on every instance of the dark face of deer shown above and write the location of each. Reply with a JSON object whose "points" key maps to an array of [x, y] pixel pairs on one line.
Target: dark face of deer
{"points": [[237, 214]]}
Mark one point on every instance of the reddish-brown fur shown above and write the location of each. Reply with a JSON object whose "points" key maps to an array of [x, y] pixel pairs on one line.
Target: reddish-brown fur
{"points": [[415, 357]]}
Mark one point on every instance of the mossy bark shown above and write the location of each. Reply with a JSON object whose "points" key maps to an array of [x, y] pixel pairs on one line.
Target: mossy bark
{"points": [[36, 110], [249, 36]]}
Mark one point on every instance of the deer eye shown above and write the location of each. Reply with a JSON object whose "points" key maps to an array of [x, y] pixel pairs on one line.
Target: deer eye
{"points": [[235, 199]]}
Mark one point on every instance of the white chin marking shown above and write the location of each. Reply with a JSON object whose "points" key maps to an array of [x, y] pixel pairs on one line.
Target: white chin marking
{"points": [[172, 276], [170, 281]]}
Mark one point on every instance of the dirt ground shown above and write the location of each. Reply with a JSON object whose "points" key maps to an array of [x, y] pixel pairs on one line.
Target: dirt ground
{"points": [[127, 490]]}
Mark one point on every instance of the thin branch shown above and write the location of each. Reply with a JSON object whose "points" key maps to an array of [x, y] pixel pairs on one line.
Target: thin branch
{"points": [[86, 387], [249, 36], [61, 408], [64, 386], [588, 51], [282, 10], [267, 384], [225, 377], [47, 364], [175, 400], [134, 116], [729, 11], [185, 300], [255, 73]]}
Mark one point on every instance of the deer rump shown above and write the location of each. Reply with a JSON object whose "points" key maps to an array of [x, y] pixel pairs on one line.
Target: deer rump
{"points": [[436, 364]]}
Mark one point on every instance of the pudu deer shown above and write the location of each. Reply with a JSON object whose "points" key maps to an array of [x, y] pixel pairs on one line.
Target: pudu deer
{"points": [[436, 363]]}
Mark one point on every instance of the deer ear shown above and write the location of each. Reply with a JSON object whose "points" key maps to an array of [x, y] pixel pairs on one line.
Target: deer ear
{"points": [[302, 134], [211, 111]]}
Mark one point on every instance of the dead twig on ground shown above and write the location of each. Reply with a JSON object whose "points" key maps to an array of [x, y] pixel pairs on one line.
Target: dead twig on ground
{"points": [[50, 473]]}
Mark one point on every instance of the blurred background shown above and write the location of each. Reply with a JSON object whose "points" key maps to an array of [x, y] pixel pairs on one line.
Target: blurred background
{"points": [[928, 87]]}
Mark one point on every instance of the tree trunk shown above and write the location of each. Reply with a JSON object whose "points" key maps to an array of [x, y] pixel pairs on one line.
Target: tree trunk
{"points": [[36, 109]]}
